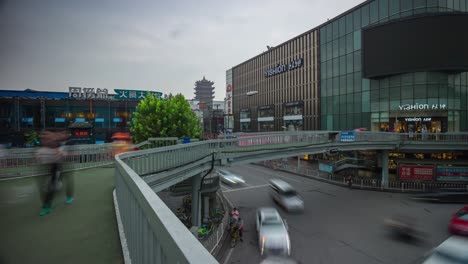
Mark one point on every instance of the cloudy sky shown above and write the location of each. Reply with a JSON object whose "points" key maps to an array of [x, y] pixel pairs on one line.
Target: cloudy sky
{"points": [[155, 45]]}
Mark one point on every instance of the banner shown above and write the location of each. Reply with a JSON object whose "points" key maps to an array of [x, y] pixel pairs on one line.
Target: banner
{"points": [[452, 174], [416, 172]]}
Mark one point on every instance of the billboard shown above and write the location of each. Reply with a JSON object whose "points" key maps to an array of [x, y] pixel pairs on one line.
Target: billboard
{"points": [[416, 172], [452, 173]]}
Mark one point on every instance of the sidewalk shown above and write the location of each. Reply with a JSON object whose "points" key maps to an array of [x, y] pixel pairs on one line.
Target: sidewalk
{"points": [[83, 232]]}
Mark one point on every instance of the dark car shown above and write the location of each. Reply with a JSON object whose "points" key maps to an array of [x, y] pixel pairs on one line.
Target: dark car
{"points": [[458, 225]]}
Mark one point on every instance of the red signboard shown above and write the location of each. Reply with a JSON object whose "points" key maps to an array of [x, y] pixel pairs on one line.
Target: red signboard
{"points": [[81, 133], [416, 172]]}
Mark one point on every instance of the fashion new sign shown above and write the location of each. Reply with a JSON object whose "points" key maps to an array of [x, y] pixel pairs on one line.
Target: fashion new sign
{"points": [[417, 106], [281, 68]]}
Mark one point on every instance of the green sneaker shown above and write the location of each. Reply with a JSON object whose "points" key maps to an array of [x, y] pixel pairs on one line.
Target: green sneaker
{"points": [[45, 210], [69, 200]]}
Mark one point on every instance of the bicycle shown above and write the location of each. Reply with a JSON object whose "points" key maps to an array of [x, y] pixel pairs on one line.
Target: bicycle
{"points": [[204, 231], [234, 235]]}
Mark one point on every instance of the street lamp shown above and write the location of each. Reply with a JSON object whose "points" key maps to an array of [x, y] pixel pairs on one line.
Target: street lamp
{"points": [[250, 93]]}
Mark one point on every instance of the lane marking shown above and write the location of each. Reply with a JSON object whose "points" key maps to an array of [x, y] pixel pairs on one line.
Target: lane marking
{"points": [[264, 170], [246, 188], [226, 260]]}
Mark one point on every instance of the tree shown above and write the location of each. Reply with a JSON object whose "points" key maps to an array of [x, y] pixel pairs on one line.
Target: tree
{"points": [[170, 117]]}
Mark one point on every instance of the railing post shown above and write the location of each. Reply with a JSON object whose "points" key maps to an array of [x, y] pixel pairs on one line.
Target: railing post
{"points": [[402, 186]]}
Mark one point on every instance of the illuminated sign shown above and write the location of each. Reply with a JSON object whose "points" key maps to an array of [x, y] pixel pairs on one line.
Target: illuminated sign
{"points": [[99, 120], [281, 68], [416, 172], [87, 93], [80, 119], [81, 133], [418, 119], [134, 94], [59, 120], [417, 106], [452, 173], [117, 120]]}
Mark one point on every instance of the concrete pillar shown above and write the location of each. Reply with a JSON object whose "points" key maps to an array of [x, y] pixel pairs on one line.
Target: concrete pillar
{"points": [[384, 162], [196, 208]]}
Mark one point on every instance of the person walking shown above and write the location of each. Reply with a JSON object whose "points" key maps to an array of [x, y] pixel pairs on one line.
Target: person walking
{"points": [[423, 132], [51, 155]]}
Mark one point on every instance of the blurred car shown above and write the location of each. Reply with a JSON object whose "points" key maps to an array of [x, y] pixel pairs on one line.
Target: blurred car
{"points": [[285, 195], [272, 230], [402, 226], [458, 225], [452, 250], [443, 197], [230, 178], [278, 260]]}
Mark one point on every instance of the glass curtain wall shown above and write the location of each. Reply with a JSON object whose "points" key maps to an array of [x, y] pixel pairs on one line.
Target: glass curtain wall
{"points": [[346, 97]]}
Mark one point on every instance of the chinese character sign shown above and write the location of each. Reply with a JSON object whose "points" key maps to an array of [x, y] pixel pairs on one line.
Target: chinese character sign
{"points": [[134, 94], [416, 172], [87, 93]]}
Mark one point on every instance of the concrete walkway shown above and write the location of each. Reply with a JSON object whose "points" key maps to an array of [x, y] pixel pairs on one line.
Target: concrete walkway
{"points": [[83, 232]]}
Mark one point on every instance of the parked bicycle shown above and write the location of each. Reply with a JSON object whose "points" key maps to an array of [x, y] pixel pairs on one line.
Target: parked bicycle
{"points": [[206, 230]]}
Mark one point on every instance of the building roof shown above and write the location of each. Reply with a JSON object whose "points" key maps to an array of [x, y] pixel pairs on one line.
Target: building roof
{"points": [[28, 93]]}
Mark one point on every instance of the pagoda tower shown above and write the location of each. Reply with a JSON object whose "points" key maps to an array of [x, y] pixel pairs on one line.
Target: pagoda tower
{"points": [[204, 93]]}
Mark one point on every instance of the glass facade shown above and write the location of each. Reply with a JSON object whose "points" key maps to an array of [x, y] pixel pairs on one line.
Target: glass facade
{"points": [[349, 101]]}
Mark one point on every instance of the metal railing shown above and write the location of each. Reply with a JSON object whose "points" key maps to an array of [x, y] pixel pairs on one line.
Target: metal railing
{"points": [[366, 183], [153, 233], [18, 163]]}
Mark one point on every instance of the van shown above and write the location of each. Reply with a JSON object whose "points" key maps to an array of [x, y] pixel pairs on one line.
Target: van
{"points": [[286, 196]]}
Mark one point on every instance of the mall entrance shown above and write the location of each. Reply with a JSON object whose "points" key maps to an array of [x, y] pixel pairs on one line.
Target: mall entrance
{"points": [[415, 121]]}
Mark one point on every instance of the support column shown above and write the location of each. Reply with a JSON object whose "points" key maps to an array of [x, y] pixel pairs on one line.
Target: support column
{"points": [[43, 114], [384, 160], [196, 212], [17, 115]]}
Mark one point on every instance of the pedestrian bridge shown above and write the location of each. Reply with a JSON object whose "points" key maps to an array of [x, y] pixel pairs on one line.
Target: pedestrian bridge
{"points": [[153, 234]]}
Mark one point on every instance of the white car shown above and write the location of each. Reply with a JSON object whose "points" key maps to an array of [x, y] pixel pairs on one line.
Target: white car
{"points": [[272, 230], [230, 178], [286, 196], [453, 250]]}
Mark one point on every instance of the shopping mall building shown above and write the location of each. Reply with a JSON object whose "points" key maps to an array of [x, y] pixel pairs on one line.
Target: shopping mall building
{"points": [[23, 111], [384, 65]]}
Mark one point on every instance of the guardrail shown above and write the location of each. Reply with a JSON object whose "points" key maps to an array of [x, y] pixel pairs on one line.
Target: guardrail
{"points": [[18, 163], [163, 167], [365, 183]]}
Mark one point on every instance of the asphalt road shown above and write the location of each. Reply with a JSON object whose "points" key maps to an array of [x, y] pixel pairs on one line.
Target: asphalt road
{"points": [[339, 225]]}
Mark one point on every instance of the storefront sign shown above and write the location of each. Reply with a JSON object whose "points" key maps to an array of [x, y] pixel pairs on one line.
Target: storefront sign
{"points": [[416, 172], [292, 117], [59, 120], [87, 93], [291, 104], [80, 119], [452, 173], [81, 133], [416, 106], [244, 120], [280, 68], [418, 119], [266, 119], [133, 94], [229, 92], [265, 107]]}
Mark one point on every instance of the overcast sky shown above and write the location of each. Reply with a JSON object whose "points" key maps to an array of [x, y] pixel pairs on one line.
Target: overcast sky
{"points": [[154, 45]]}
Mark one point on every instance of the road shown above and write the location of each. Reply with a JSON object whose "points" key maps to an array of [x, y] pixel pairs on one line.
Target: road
{"points": [[339, 225]]}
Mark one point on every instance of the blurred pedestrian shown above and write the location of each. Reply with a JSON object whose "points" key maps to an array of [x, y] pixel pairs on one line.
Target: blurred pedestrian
{"points": [[423, 132], [240, 226], [51, 155]]}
